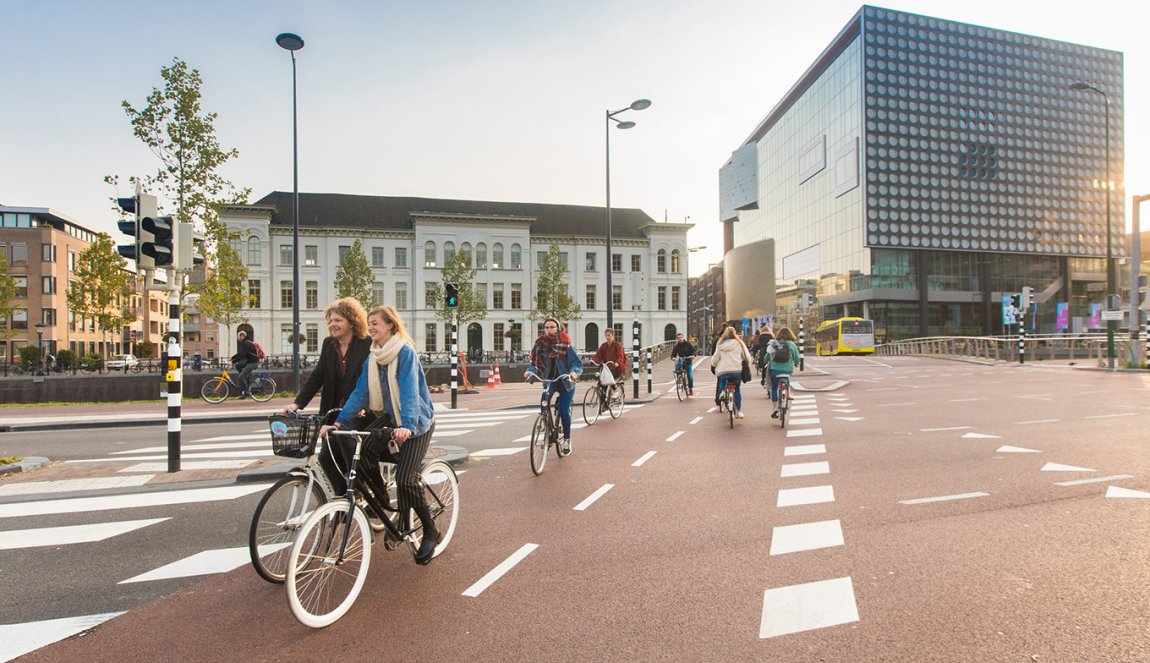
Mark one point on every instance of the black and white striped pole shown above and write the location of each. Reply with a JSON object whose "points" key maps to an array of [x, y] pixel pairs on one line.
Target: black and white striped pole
{"points": [[174, 378], [649, 385], [802, 345], [1022, 336], [454, 366], [635, 356]]}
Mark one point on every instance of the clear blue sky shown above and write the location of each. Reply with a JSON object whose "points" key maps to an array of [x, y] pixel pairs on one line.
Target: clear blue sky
{"points": [[473, 100]]}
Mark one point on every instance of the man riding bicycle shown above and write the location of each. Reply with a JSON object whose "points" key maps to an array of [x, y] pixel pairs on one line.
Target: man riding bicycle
{"points": [[612, 352], [553, 357], [683, 353], [246, 360]]}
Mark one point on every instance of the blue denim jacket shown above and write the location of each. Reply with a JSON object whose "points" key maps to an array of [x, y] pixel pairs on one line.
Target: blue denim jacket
{"points": [[414, 397], [570, 363]]}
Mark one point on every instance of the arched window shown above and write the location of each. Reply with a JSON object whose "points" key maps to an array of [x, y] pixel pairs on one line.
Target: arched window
{"points": [[661, 261], [516, 257], [481, 256], [448, 252], [669, 333], [497, 256], [675, 264], [429, 254], [465, 249], [591, 344], [254, 253]]}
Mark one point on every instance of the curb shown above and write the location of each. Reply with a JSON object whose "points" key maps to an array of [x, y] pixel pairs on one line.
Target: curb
{"points": [[27, 464]]}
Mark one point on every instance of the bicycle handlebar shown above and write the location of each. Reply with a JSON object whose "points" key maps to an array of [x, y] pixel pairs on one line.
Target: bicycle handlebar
{"points": [[545, 382], [384, 432]]}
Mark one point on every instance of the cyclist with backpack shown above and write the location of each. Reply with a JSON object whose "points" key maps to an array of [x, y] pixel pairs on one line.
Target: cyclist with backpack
{"points": [[762, 358], [246, 360], [784, 354]]}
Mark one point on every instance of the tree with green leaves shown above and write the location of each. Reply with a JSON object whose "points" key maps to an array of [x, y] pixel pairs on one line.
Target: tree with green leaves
{"points": [[7, 295], [223, 296], [353, 278], [102, 287], [552, 299], [472, 306]]}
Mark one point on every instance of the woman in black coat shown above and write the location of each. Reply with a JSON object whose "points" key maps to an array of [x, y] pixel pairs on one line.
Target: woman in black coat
{"points": [[341, 358]]}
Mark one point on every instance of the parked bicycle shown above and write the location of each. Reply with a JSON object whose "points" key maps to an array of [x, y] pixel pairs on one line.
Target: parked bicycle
{"points": [[331, 554], [217, 389], [545, 433], [784, 384], [603, 397]]}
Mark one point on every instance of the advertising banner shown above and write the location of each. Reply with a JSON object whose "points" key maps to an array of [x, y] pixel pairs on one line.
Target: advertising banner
{"points": [[1062, 315], [1009, 311], [1095, 316]]}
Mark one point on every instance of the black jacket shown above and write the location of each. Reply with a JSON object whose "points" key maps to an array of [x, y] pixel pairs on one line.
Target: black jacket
{"points": [[246, 353], [683, 348], [325, 375]]}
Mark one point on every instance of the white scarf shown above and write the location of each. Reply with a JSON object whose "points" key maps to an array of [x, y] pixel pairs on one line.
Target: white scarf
{"points": [[385, 356]]}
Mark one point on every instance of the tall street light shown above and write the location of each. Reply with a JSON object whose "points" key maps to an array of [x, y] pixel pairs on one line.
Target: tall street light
{"points": [[39, 348], [637, 105], [1108, 185], [292, 43]]}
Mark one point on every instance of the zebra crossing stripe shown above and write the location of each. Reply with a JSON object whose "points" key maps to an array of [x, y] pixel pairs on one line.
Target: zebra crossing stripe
{"points": [[62, 536], [202, 563], [19, 639], [135, 500]]}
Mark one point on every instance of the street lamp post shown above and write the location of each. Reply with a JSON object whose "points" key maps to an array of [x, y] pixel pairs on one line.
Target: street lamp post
{"points": [[637, 105], [39, 348], [1108, 185], [292, 43]]}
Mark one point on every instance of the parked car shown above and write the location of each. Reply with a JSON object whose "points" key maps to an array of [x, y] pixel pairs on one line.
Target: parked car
{"points": [[122, 362]]}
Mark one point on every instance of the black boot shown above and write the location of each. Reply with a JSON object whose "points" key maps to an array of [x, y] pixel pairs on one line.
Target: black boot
{"points": [[431, 536]]}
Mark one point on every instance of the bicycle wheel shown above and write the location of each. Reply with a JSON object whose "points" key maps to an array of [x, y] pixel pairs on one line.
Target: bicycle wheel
{"points": [[539, 444], [592, 406], [615, 401], [731, 407], [214, 390], [279, 515], [263, 389], [322, 586], [441, 490], [681, 386], [784, 405]]}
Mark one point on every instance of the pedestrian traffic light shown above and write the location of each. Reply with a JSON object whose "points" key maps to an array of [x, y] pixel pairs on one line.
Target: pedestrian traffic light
{"points": [[452, 294], [157, 240], [137, 207]]}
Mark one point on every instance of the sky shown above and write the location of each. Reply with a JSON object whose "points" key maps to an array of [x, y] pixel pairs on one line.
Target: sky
{"points": [[481, 100]]}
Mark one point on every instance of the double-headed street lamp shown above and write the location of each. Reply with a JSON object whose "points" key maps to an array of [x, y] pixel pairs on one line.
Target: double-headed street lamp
{"points": [[292, 43], [637, 105], [1108, 185]]}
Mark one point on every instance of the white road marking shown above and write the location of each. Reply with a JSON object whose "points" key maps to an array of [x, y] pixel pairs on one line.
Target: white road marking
{"points": [[263, 435], [712, 409], [809, 495], [981, 436], [1107, 416], [697, 420], [69, 485], [1037, 421], [805, 469], [967, 400], [184, 448], [932, 430], [1007, 449], [943, 498], [506, 451], [895, 404], [19, 639], [202, 563], [807, 536], [851, 418], [804, 432], [1115, 491], [185, 456], [643, 459], [883, 389], [845, 411], [808, 606], [805, 450], [62, 536], [501, 570], [675, 436], [157, 467], [110, 502], [582, 506], [809, 421], [804, 408], [1079, 482], [1057, 467]]}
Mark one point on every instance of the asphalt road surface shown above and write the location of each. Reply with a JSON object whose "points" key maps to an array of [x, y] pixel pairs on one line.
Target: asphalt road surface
{"points": [[927, 510]]}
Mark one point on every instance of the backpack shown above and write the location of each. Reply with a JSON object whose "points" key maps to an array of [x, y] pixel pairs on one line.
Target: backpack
{"points": [[259, 350], [782, 352]]}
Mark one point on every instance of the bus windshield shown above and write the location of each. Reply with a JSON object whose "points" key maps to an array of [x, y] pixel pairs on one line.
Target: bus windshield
{"points": [[858, 327]]}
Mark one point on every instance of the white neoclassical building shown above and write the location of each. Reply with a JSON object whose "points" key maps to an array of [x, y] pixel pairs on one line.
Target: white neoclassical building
{"points": [[407, 242]]}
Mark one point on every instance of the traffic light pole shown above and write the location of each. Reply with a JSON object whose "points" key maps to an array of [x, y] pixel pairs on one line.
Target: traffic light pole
{"points": [[174, 373], [454, 363]]}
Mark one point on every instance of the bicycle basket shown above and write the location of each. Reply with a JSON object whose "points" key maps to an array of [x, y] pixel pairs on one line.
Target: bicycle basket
{"points": [[293, 437]]}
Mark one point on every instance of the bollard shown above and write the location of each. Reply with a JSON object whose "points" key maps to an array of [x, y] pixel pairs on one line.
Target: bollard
{"points": [[649, 386]]}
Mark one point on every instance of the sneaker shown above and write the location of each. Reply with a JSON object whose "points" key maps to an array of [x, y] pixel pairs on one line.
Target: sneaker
{"points": [[775, 414], [565, 445], [739, 414]]}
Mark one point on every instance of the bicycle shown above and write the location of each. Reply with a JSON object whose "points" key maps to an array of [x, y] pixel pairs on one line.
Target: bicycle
{"points": [[727, 400], [217, 389], [331, 553], [682, 386], [545, 432], [784, 390], [603, 397]]}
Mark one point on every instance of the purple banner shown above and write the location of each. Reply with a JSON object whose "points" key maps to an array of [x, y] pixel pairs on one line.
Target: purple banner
{"points": [[1095, 316], [1062, 315]]}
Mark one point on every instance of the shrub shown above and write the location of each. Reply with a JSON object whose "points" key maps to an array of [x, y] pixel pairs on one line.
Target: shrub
{"points": [[65, 359], [29, 357]]}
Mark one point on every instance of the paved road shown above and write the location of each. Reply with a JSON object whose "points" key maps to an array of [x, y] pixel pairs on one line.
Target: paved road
{"points": [[929, 510]]}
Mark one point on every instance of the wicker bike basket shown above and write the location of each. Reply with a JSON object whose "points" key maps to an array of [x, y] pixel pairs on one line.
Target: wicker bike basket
{"points": [[293, 437]]}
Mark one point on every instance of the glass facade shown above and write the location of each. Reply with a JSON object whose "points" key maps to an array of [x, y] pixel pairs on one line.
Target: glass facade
{"points": [[923, 168]]}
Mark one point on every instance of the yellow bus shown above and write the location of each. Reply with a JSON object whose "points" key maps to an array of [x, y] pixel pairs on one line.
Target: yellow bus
{"points": [[845, 336]]}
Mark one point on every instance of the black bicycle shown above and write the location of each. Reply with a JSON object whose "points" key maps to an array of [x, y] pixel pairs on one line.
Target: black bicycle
{"points": [[784, 386], [545, 432], [603, 397], [682, 385]]}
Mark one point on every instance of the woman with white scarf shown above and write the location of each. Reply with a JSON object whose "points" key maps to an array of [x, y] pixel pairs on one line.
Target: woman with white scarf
{"points": [[392, 383]]}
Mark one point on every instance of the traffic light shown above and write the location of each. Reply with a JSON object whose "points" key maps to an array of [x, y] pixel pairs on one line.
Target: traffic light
{"points": [[188, 248], [138, 207], [452, 294], [1144, 293], [1027, 293], [157, 240]]}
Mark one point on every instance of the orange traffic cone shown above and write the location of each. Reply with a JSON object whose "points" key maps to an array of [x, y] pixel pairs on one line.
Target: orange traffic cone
{"points": [[498, 380], [491, 379]]}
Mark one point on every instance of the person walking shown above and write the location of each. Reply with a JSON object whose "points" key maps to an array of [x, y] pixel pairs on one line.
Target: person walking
{"points": [[553, 357], [727, 363], [783, 354]]}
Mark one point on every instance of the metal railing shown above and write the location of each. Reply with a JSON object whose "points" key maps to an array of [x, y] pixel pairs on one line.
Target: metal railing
{"points": [[1041, 347]]}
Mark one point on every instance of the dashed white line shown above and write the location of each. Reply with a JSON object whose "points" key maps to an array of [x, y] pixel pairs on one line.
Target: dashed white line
{"points": [[582, 506], [932, 430], [1038, 421], [675, 436], [1079, 482], [643, 459], [895, 404], [805, 469], [1107, 416], [501, 570], [807, 536], [809, 495], [805, 450], [943, 498], [804, 432], [697, 420], [808, 606]]}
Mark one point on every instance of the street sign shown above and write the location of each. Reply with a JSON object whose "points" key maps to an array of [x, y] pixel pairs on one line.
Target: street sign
{"points": [[1113, 315]]}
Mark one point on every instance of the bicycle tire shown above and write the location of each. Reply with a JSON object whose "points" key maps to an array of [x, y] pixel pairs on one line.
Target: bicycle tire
{"points": [[592, 406], [275, 524], [615, 401], [731, 407], [440, 489], [539, 437], [263, 389], [321, 589], [680, 387], [215, 390], [784, 405]]}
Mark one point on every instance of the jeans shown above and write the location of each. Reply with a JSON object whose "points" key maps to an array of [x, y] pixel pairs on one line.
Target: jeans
{"points": [[774, 376], [680, 363], [245, 378], [564, 405], [737, 380]]}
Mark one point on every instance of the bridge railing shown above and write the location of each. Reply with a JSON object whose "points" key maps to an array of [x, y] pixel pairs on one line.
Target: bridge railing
{"points": [[1085, 347]]}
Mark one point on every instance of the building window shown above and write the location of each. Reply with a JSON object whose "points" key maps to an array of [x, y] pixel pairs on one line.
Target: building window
{"points": [[253, 294], [71, 261], [286, 294], [311, 295], [429, 254], [19, 255], [48, 317], [285, 335], [21, 286], [448, 252], [590, 265], [311, 333], [497, 336], [377, 256], [343, 251], [676, 301], [481, 293], [255, 256], [591, 297], [617, 297], [48, 252], [497, 296], [636, 263], [661, 298], [516, 257], [675, 266], [540, 258], [378, 293], [429, 331], [311, 255], [563, 261], [48, 285], [660, 261], [517, 337], [429, 296], [71, 321], [401, 256], [516, 296], [401, 295], [285, 255], [497, 256], [481, 256], [616, 262], [465, 249], [19, 318]]}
